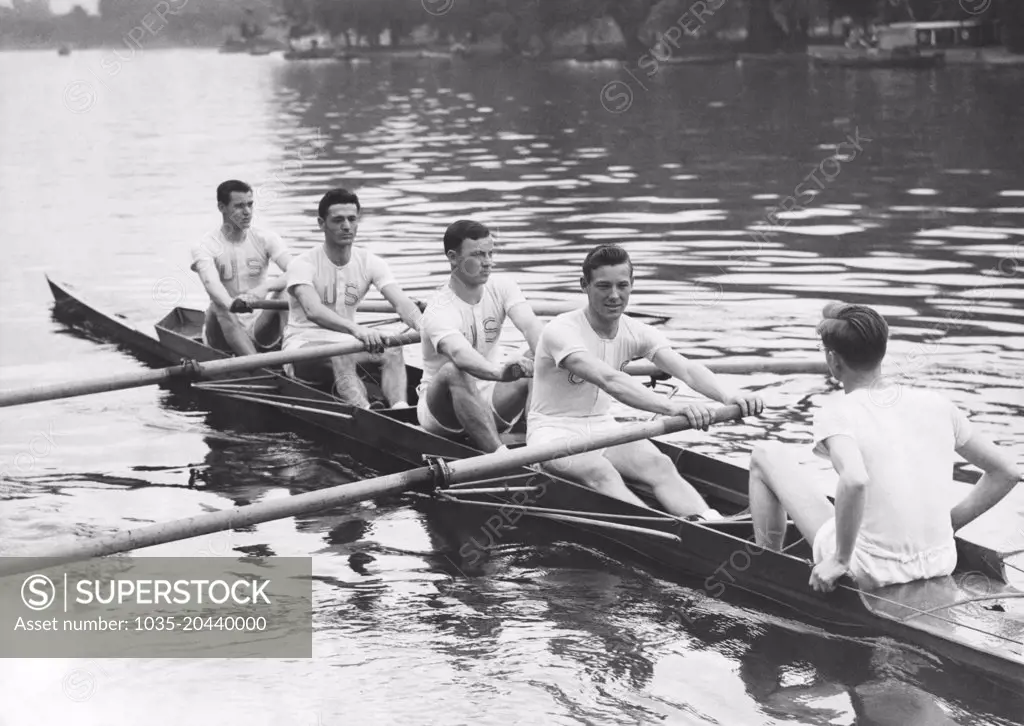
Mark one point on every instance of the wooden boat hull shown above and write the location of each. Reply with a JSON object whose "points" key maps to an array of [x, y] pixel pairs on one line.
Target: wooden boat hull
{"points": [[701, 60], [722, 554]]}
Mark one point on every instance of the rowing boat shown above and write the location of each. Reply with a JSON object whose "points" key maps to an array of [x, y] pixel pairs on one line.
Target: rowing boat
{"points": [[974, 617]]}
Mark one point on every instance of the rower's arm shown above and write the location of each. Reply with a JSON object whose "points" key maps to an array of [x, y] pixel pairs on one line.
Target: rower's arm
{"points": [[527, 322], [696, 375], [214, 287], [617, 384], [999, 477], [403, 304], [850, 489], [466, 358], [319, 313]]}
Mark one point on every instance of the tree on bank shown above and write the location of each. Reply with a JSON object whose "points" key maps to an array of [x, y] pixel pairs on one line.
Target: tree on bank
{"points": [[777, 25], [1011, 12], [522, 26]]}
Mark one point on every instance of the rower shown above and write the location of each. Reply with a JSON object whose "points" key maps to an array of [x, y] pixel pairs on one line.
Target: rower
{"points": [[232, 261], [326, 285], [465, 388], [892, 447], [578, 370]]}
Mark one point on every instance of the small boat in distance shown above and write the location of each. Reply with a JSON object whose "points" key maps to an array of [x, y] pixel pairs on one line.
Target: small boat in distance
{"points": [[882, 47], [874, 58], [64, 50]]}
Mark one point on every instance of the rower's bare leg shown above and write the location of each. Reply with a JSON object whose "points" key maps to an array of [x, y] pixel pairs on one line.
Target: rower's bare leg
{"points": [[314, 372], [596, 472], [455, 401], [268, 328], [393, 380], [269, 325], [231, 330], [509, 401], [779, 486], [641, 460], [348, 386]]}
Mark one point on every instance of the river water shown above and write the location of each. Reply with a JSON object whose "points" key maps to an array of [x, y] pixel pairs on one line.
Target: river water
{"points": [[912, 201]]}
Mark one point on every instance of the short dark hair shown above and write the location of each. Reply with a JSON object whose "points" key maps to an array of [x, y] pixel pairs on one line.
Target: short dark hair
{"points": [[458, 232], [856, 332], [224, 190], [605, 256], [337, 196]]}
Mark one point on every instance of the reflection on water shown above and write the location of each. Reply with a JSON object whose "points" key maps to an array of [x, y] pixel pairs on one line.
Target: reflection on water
{"points": [[925, 221]]}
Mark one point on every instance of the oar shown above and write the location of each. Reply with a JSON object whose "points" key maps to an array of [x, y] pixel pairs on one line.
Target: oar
{"points": [[544, 308], [193, 371], [782, 366], [485, 466], [366, 306]]}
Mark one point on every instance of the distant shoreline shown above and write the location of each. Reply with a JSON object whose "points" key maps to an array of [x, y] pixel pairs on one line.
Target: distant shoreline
{"points": [[690, 52]]}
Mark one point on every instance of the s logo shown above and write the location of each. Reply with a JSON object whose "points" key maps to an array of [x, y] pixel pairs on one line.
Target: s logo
{"points": [[492, 328], [255, 266]]}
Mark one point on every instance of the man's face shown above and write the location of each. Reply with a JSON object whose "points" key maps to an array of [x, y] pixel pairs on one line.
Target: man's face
{"points": [[474, 261], [341, 224], [608, 291], [238, 210], [830, 360]]}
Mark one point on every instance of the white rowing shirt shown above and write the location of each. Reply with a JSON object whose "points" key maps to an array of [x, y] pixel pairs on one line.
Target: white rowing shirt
{"points": [[240, 265], [557, 393], [908, 449], [447, 314], [339, 288]]}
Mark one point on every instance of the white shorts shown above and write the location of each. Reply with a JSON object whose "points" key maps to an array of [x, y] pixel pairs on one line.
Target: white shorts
{"points": [[248, 322], [323, 336], [432, 425], [571, 431], [872, 572]]}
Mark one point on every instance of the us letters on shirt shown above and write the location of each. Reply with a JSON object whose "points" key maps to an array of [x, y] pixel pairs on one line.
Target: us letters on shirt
{"points": [[330, 295], [254, 265]]}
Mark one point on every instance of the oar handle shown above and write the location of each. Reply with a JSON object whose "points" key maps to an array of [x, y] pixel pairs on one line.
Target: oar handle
{"points": [[193, 371], [367, 306], [544, 308]]}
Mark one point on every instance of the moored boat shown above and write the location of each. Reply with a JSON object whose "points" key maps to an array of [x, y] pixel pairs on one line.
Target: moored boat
{"points": [[234, 45], [873, 58], [320, 52], [973, 617], [707, 59]]}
